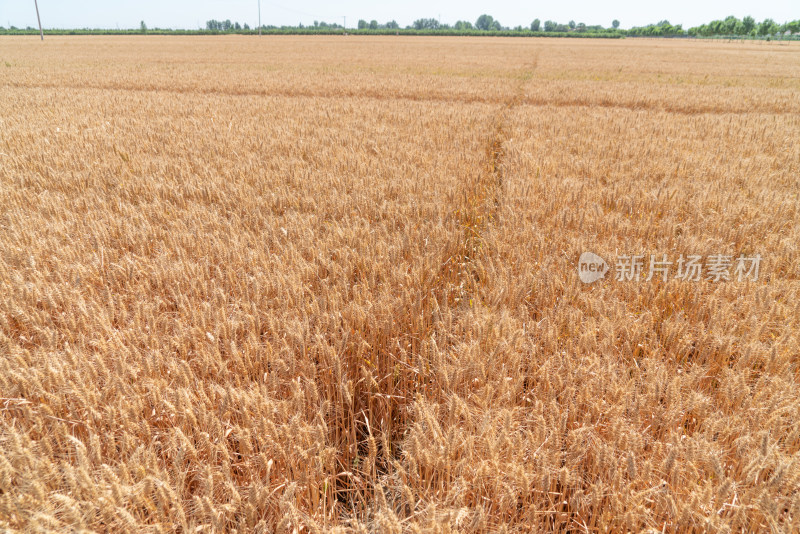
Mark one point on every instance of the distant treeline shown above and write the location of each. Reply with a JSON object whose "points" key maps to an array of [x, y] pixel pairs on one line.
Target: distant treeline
{"points": [[267, 30], [730, 27]]}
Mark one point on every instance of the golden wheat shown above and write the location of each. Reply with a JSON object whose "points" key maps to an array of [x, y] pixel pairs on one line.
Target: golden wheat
{"points": [[315, 284]]}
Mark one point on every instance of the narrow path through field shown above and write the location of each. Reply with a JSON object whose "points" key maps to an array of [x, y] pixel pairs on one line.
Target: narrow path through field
{"points": [[565, 100], [484, 197], [454, 286]]}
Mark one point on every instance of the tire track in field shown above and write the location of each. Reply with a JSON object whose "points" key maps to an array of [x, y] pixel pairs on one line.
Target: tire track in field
{"points": [[560, 101], [482, 200], [455, 284]]}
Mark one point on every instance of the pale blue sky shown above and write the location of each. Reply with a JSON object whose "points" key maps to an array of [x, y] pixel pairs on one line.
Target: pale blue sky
{"points": [[193, 13]]}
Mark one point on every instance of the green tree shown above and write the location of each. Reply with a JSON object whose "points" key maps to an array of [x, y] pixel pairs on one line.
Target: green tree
{"points": [[362, 24], [728, 25], [392, 25], [749, 24], [550, 26], [572, 25], [615, 24], [767, 27], [536, 25], [142, 27], [426, 24], [373, 25], [485, 22]]}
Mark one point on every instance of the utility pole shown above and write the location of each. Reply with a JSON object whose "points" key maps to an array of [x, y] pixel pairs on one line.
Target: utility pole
{"points": [[41, 32], [259, 18], [345, 23]]}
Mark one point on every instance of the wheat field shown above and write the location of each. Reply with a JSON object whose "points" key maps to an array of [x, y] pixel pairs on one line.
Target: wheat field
{"points": [[330, 284]]}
